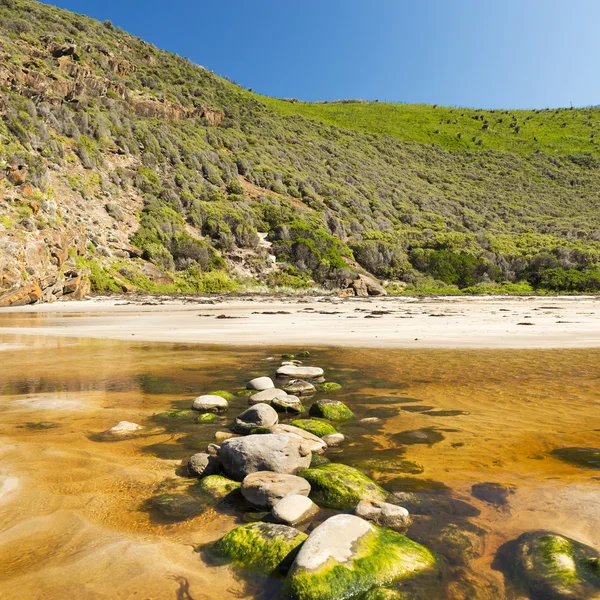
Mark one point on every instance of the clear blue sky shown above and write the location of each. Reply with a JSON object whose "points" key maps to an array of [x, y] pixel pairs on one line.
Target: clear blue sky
{"points": [[480, 53]]}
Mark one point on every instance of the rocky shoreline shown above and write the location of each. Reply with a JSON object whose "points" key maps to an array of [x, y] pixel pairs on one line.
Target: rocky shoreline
{"points": [[327, 531]]}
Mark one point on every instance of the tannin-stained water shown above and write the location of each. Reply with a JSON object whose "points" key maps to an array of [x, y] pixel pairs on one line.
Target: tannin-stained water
{"points": [[74, 516]]}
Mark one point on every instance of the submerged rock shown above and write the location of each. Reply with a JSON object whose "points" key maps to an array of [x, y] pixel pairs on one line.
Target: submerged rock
{"points": [[282, 453], [346, 556], [217, 486], [315, 426], [210, 404], [588, 458], [266, 396], [294, 509], [334, 439], [384, 514], [178, 506], [385, 594], [263, 547], [418, 436], [552, 566], [341, 487], [299, 387], [493, 493], [202, 465], [264, 489], [334, 410], [124, 427], [260, 383], [299, 372], [259, 415], [330, 386]]}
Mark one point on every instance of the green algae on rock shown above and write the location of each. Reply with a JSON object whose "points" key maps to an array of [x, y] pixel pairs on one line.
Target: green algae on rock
{"points": [[341, 487], [346, 556], [330, 386], [553, 566], [384, 594], [262, 547], [217, 486], [223, 394], [334, 410], [178, 506], [206, 418], [314, 426]]}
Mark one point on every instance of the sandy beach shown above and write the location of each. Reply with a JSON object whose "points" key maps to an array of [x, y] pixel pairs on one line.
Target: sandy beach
{"points": [[399, 322]]}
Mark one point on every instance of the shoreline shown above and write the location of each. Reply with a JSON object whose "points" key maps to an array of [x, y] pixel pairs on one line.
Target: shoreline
{"points": [[382, 322]]}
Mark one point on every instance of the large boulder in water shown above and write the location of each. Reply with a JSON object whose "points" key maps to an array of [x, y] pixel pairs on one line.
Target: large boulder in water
{"points": [[346, 556], [554, 567], [262, 547], [260, 383], [209, 403], [281, 453], [333, 410], [316, 444], [259, 415], [266, 396], [340, 486]]}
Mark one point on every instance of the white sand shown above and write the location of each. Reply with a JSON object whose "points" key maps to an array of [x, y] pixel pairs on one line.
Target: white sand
{"points": [[479, 322]]}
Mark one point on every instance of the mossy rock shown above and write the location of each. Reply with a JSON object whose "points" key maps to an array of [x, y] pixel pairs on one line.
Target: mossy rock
{"points": [[384, 594], [287, 356], [261, 547], [245, 392], [303, 354], [553, 566], [390, 466], [317, 460], [178, 506], [177, 414], [206, 418], [216, 486], [333, 410], [259, 430], [223, 394], [330, 386], [370, 557], [342, 487], [314, 426]]}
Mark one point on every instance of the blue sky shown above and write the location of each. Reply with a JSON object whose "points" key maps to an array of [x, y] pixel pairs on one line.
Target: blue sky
{"points": [[479, 53]]}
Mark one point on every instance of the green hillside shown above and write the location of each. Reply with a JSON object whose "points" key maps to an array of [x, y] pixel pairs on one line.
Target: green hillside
{"points": [[129, 143]]}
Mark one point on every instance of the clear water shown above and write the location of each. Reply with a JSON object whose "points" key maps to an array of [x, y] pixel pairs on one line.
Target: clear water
{"points": [[74, 516]]}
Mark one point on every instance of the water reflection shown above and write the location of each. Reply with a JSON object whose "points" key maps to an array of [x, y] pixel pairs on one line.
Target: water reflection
{"points": [[480, 446]]}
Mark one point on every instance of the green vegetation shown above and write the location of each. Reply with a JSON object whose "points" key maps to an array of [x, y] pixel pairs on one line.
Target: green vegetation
{"points": [[380, 557], [261, 547], [333, 410], [435, 200], [314, 426], [340, 486]]}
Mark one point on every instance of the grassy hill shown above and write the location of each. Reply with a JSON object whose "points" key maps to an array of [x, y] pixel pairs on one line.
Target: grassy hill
{"points": [[156, 173]]}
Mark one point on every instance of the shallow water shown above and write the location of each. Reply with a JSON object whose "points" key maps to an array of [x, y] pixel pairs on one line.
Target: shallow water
{"points": [[73, 506]]}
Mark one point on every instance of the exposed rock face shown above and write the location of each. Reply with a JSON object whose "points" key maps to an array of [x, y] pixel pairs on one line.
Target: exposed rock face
{"points": [[346, 556], [363, 287], [288, 404], [314, 443], [257, 416], [299, 372], [266, 396], [299, 387], [265, 452], [124, 428], [265, 488]]}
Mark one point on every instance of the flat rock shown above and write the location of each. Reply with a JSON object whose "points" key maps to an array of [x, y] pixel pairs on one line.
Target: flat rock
{"points": [[264, 489], [299, 387], [259, 415], [282, 453], [266, 396], [316, 444], [299, 372], [346, 556], [384, 514], [260, 383], [123, 427], [210, 404], [294, 509]]}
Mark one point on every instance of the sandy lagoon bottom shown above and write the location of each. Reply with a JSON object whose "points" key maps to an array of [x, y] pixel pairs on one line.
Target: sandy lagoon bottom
{"points": [[74, 520]]}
